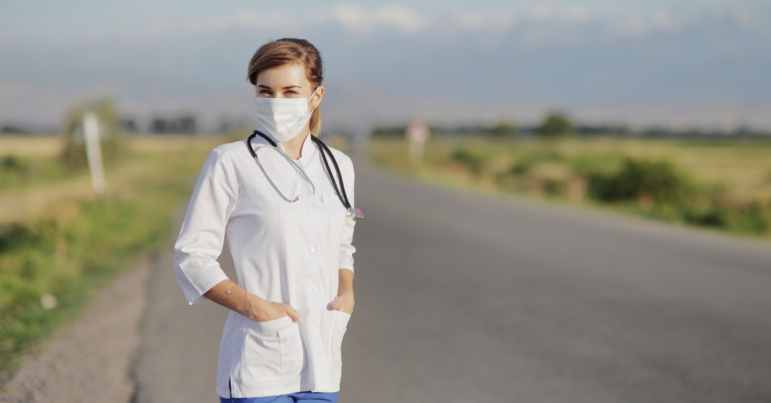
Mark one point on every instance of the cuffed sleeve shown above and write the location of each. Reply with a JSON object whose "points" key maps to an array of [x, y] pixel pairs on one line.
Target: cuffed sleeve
{"points": [[202, 236]]}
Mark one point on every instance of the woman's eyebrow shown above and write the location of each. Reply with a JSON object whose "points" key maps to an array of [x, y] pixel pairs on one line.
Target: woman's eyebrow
{"points": [[292, 86], [263, 86]]}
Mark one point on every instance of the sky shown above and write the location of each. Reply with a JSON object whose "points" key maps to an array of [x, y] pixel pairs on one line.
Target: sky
{"points": [[679, 63]]}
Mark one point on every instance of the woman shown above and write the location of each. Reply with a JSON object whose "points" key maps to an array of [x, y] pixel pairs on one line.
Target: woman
{"points": [[286, 213]]}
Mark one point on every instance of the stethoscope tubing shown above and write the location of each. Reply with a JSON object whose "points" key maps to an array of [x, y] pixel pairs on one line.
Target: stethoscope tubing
{"points": [[341, 194]]}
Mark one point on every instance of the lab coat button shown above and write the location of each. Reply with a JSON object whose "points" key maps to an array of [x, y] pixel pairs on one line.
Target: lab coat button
{"points": [[315, 289], [310, 208], [312, 249]]}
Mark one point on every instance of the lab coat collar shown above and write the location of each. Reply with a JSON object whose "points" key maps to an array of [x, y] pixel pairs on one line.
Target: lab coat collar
{"points": [[308, 148]]}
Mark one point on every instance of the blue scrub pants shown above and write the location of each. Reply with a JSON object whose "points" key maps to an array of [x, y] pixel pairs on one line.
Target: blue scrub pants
{"points": [[301, 397]]}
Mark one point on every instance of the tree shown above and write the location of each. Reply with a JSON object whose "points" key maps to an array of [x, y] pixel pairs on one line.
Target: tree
{"points": [[74, 151], [555, 125], [503, 129]]}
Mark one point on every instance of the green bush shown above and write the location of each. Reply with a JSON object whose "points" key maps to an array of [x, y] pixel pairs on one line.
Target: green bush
{"points": [[524, 164], [12, 163], [597, 164], [751, 217], [474, 161], [521, 168], [73, 154], [503, 130], [715, 217], [555, 125], [658, 180], [554, 187], [16, 172]]}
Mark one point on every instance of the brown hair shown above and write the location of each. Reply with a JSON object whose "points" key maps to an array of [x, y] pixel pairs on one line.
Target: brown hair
{"points": [[286, 51]]}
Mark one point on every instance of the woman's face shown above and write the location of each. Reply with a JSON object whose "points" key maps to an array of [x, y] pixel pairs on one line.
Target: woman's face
{"points": [[288, 81]]}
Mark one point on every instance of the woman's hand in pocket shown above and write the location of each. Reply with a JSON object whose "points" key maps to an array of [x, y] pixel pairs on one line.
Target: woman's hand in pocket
{"points": [[343, 303], [263, 311], [232, 296]]}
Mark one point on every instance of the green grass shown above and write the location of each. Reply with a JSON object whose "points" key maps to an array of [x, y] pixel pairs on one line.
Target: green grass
{"points": [[724, 185], [20, 171], [71, 254]]}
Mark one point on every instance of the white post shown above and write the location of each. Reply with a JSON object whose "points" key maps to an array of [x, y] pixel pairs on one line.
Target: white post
{"points": [[94, 151], [417, 135], [416, 153]]}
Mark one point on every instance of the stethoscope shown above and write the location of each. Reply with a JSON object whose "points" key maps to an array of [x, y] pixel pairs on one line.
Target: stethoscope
{"points": [[354, 214]]}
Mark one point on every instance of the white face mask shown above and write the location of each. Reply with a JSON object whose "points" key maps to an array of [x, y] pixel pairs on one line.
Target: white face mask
{"points": [[283, 118]]}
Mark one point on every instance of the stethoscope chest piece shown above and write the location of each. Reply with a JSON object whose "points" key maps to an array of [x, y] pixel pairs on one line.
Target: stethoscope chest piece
{"points": [[353, 215]]}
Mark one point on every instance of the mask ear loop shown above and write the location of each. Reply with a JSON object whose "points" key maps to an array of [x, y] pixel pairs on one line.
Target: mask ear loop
{"points": [[309, 99], [314, 93]]}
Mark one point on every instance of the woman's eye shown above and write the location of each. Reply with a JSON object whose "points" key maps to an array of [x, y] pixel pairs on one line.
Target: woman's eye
{"points": [[293, 92], [264, 92]]}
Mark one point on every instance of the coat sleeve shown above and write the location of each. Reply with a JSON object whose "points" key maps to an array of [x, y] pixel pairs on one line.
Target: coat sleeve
{"points": [[202, 235], [346, 239]]}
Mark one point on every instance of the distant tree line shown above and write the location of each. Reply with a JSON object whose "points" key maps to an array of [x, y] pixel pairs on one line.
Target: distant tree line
{"points": [[14, 129], [184, 124], [559, 124]]}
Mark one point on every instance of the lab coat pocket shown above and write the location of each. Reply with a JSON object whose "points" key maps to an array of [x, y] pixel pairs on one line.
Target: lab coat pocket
{"points": [[339, 326], [336, 212], [272, 349]]}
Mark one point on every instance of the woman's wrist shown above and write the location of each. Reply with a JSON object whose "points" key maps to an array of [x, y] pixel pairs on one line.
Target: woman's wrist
{"points": [[345, 282], [343, 292], [248, 304]]}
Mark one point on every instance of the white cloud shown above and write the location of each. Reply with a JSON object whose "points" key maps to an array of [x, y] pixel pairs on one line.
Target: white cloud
{"points": [[664, 21], [351, 17], [549, 12], [358, 19], [742, 18], [556, 20], [241, 20], [401, 18]]}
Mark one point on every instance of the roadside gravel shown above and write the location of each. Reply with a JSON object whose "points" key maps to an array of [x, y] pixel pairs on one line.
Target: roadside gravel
{"points": [[90, 360]]}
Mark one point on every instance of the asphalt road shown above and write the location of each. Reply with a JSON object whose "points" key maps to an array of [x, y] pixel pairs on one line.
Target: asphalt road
{"points": [[469, 298]]}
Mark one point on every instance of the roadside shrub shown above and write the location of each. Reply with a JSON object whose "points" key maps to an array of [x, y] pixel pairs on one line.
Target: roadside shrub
{"points": [[520, 168], [554, 187], [658, 180], [15, 236], [715, 217], [18, 172], [73, 154], [474, 161], [597, 164], [11, 163], [525, 164], [751, 217], [524, 175]]}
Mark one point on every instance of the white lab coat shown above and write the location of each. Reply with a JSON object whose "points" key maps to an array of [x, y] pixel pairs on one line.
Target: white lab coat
{"points": [[283, 252]]}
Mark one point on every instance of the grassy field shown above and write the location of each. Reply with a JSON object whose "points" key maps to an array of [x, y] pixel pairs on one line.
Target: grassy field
{"points": [[59, 241], [719, 184]]}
